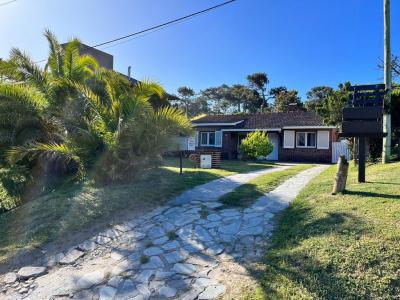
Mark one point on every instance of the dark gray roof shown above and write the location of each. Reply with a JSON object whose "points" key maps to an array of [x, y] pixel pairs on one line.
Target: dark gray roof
{"points": [[265, 120]]}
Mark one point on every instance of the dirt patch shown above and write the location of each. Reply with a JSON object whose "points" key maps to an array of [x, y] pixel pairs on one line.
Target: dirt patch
{"points": [[239, 279]]}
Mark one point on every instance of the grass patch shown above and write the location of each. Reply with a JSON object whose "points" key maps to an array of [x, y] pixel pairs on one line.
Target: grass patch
{"points": [[246, 194], [338, 247], [68, 214], [172, 235], [144, 259]]}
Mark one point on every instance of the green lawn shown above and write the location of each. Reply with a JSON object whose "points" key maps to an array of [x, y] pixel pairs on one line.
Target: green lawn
{"points": [[246, 194], [338, 247], [76, 211]]}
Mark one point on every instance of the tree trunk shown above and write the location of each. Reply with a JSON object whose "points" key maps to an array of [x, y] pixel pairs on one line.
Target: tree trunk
{"points": [[341, 175]]}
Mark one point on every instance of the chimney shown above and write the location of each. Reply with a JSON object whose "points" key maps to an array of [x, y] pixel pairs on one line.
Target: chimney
{"points": [[294, 106], [129, 72]]}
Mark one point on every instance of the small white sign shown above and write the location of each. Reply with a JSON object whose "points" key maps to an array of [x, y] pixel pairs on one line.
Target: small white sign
{"points": [[205, 161], [191, 143]]}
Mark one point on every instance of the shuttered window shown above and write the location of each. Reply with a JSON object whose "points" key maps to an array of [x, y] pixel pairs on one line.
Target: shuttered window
{"points": [[323, 139], [288, 139], [218, 139]]}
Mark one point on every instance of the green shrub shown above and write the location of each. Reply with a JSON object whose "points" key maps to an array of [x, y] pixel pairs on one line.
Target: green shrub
{"points": [[13, 182], [256, 144]]}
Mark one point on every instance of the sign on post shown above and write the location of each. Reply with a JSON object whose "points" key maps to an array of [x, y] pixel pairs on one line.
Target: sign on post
{"points": [[363, 117]]}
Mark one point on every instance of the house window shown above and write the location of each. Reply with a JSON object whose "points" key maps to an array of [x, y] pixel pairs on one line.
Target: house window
{"points": [[207, 139], [306, 139]]}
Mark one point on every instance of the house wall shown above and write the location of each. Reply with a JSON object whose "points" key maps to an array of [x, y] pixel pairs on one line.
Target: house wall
{"points": [[307, 154]]}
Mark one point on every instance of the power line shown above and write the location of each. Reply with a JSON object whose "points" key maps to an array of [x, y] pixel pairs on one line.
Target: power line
{"points": [[8, 2], [166, 23], [154, 28]]}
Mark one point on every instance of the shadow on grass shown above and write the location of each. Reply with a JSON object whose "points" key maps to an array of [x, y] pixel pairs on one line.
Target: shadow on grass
{"points": [[372, 194], [282, 260]]}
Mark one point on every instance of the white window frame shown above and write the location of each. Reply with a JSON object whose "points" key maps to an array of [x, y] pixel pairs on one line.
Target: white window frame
{"points": [[208, 139], [306, 139]]}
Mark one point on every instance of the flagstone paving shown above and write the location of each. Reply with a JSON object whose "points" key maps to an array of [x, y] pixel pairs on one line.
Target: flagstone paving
{"points": [[169, 253]]}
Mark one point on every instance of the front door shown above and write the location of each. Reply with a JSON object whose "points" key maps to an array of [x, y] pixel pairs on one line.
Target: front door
{"points": [[273, 137]]}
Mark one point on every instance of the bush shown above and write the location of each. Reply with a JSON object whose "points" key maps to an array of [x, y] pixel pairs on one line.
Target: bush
{"points": [[256, 144], [13, 182]]}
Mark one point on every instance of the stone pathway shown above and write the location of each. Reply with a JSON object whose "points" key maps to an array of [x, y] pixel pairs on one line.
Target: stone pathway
{"points": [[170, 253]]}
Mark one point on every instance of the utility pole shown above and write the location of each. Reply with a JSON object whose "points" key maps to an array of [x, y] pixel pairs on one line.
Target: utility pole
{"points": [[388, 83]]}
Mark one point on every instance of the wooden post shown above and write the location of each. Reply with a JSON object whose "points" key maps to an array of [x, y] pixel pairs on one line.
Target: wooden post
{"points": [[387, 61], [341, 175], [361, 159]]}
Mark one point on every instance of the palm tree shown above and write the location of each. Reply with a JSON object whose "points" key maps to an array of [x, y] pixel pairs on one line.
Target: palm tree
{"points": [[85, 116]]}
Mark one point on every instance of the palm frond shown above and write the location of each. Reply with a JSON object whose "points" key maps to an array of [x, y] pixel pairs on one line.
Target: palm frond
{"points": [[71, 54], [23, 94], [173, 120], [25, 69], [147, 88], [54, 61], [51, 150]]}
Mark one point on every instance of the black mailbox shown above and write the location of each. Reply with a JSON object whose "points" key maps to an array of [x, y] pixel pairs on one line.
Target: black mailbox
{"points": [[363, 117]]}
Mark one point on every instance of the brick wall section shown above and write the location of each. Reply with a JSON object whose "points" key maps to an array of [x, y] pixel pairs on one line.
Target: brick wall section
{"points": [[307, 154]]}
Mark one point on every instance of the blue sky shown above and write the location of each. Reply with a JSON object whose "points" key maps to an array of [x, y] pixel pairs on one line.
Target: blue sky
{"points": [[299, 44]]}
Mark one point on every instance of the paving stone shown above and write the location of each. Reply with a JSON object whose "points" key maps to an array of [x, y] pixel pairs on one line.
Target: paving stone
{"points": [[215, 249], [229, 213], [10, 278], [156, 232], [168, 226], [71, 256], [115, 281], [152, 251], [212, 204], [171, 246], [202, 234], [186, 219], [251, 215], [144, 276], [257, 230], [134, 235], [102, 240], [154, 263], [186, 269], [144, 290], [161, 240], [160, 275], [253, 222], [213, 224], [107, 293], [213, 217], [212, 292], [127, 290], [227, 238], [191, 295], [123, 227], [176, 256], [202, 260], [87, 246], [155, 285], [180, 284], [90, 279], [110, 233], [27, 272], [230, 229], [203, 282], [167, 291]]}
